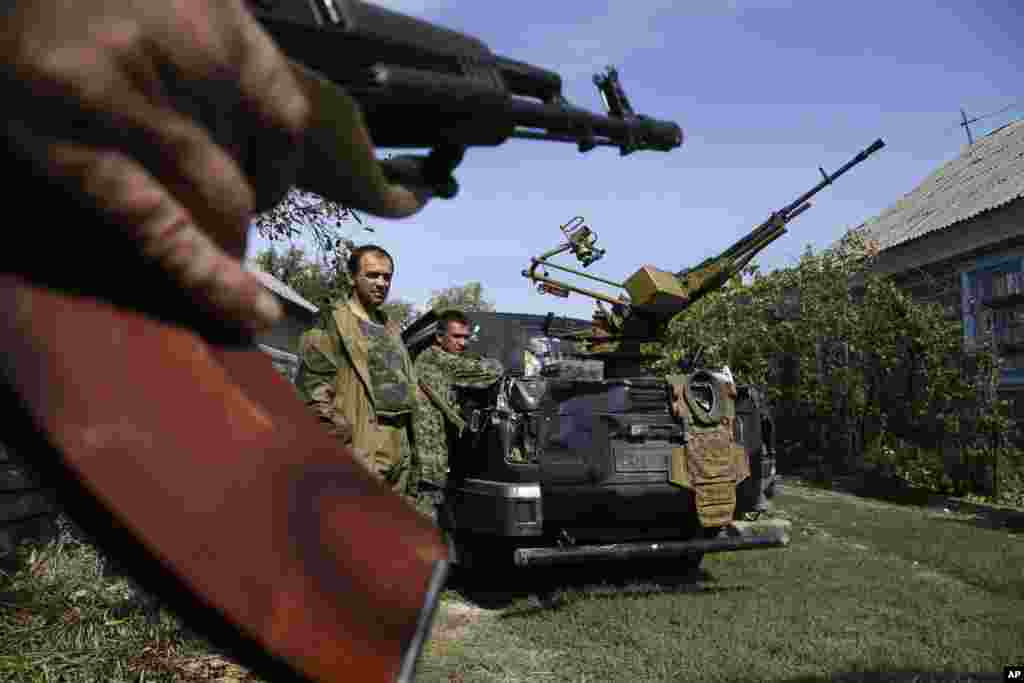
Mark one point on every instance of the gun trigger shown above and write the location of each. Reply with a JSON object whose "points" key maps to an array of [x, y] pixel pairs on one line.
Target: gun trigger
{"points": [[825, 175]]}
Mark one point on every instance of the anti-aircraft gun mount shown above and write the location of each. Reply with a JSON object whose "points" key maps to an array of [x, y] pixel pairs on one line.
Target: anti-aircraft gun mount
{"points": [[651, 297], [577, 456]]}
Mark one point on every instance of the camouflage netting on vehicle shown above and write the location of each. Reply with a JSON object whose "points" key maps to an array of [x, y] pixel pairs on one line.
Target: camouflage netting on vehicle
{"points": [[711, 463]]}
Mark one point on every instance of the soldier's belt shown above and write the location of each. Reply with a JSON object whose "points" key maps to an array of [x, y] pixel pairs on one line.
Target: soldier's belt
{"points": [[397, 420]]}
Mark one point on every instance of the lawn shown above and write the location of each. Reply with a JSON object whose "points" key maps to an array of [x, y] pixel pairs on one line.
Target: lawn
{"points": [[865, 587]]}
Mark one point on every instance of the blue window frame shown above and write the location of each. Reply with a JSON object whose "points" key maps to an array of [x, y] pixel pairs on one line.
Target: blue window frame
{"points": [[984, 282]]}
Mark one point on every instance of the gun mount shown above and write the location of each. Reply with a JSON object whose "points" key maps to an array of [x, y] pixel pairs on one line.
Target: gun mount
{"points": [[651, 297]]}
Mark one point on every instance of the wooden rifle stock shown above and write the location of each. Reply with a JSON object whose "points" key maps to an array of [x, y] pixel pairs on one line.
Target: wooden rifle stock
{"points": [[203, 455]]}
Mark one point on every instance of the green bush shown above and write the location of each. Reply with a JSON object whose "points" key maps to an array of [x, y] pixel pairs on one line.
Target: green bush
{"points": [[868, 359]]}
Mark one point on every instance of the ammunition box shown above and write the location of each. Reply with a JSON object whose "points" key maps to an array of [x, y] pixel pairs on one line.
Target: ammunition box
{"points": [[657, 288]]}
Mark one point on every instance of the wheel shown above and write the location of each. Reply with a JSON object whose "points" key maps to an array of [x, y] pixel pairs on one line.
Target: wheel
{"points": [[480, 552], [691, 563]]}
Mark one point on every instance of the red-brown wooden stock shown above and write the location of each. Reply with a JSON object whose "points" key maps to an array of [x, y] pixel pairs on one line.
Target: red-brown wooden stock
{"points": [[208, 459]]}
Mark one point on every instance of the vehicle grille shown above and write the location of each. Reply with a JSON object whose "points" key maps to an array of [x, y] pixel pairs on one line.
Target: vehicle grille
{"points": [[648, 399]]}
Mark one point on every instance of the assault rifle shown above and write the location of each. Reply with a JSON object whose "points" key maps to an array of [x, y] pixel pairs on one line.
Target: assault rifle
{"points": [[181, 449], [420, 85]]}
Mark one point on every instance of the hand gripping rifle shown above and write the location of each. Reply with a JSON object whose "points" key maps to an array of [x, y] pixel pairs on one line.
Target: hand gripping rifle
{"points": [[424, 86], [181, 449]]}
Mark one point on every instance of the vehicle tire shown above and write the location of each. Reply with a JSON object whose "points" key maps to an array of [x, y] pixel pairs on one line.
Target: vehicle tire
{"points": [[691, 563], [481, 552]]}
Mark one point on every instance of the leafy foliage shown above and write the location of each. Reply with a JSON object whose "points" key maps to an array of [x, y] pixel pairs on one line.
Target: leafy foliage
{"points": [[843, 346], [318, 282], [321, 283], [302, 211], [467, 298]]}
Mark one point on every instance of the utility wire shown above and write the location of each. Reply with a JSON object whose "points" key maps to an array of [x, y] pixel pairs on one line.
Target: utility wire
{"points": [[961, 124]]}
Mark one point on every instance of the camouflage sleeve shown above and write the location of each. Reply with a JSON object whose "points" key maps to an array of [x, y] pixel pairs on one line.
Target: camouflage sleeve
{"points": [[435, 388], [474, 372], [318, 367]]}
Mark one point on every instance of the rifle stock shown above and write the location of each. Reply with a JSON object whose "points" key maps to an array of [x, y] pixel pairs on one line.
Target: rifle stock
{"points": [[203, 454]]}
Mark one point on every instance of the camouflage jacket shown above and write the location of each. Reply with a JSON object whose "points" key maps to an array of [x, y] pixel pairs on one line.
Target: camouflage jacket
{"points": [[439, 373], [335, 381]]}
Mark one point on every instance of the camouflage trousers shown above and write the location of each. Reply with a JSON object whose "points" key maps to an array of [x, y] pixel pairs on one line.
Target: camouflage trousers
{"points": [[405, 472], [393, 461]]}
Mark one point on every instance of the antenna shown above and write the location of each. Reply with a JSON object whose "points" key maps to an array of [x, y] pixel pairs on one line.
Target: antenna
{"points": [[966, 125]]}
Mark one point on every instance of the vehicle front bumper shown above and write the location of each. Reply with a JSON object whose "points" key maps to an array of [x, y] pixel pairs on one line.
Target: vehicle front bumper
{"points": [[736, 536]]}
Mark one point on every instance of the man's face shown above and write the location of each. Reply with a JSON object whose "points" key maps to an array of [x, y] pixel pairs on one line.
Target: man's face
{"points": [[373, 281], [454, 340]]}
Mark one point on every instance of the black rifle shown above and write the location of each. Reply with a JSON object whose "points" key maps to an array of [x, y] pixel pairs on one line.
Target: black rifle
{"points": [[424, 86]]}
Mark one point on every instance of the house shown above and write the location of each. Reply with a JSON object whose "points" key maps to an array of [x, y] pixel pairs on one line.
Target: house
{"points": [[958, 239], [282, 342]]}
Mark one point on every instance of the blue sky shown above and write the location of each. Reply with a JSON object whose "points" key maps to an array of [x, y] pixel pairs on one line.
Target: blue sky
{"points": [[765, 91]]}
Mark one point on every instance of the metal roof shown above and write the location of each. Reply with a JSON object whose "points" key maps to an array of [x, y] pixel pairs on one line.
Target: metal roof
{"points": [[280, 288], [987, 175]]}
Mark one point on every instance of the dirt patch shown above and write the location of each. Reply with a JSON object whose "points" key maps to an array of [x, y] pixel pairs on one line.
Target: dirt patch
{"points": [[929, 574], [211, 669], [454, 620]]}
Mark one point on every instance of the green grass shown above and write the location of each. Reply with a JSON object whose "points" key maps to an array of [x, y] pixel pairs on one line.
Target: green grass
{"points": [[63, 619], [992, 560], [863, 588]]}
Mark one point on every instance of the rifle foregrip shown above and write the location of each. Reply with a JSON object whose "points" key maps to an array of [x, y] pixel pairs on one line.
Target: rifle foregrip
{"points": [[340, 161]]}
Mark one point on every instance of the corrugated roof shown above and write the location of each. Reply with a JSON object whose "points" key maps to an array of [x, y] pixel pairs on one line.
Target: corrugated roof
{"points": [[280, 288], [987, 175]]}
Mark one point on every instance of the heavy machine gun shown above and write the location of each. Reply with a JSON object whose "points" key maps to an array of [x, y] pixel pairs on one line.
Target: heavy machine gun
{"points": [[651, 297]]}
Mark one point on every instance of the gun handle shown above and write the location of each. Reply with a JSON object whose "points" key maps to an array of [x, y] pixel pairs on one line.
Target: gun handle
{"points": [[340, 161]]}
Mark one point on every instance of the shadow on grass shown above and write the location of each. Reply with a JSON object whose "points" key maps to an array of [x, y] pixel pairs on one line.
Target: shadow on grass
{"points": [[498, 589], [902, 676], [896, 493], [1012, 526]]}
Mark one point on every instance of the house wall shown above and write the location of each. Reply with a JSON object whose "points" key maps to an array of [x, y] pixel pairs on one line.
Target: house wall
{"points": [[965, 268]]}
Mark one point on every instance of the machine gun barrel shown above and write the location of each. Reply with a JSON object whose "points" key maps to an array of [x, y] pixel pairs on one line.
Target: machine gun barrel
{"points": [[760, 237], [828, 179], [655, 296]]}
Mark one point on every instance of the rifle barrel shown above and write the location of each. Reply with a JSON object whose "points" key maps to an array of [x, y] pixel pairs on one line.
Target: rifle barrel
{"points": [[459, 95]]}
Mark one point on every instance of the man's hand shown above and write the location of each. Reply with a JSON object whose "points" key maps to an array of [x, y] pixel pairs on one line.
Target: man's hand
{"points": [[174, 120]]}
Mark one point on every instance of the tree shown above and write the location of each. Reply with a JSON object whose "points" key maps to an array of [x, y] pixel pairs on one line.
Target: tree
{"points": [[872, 363], [467, 298], [319, 283], [324, 277], [301, 210]]}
